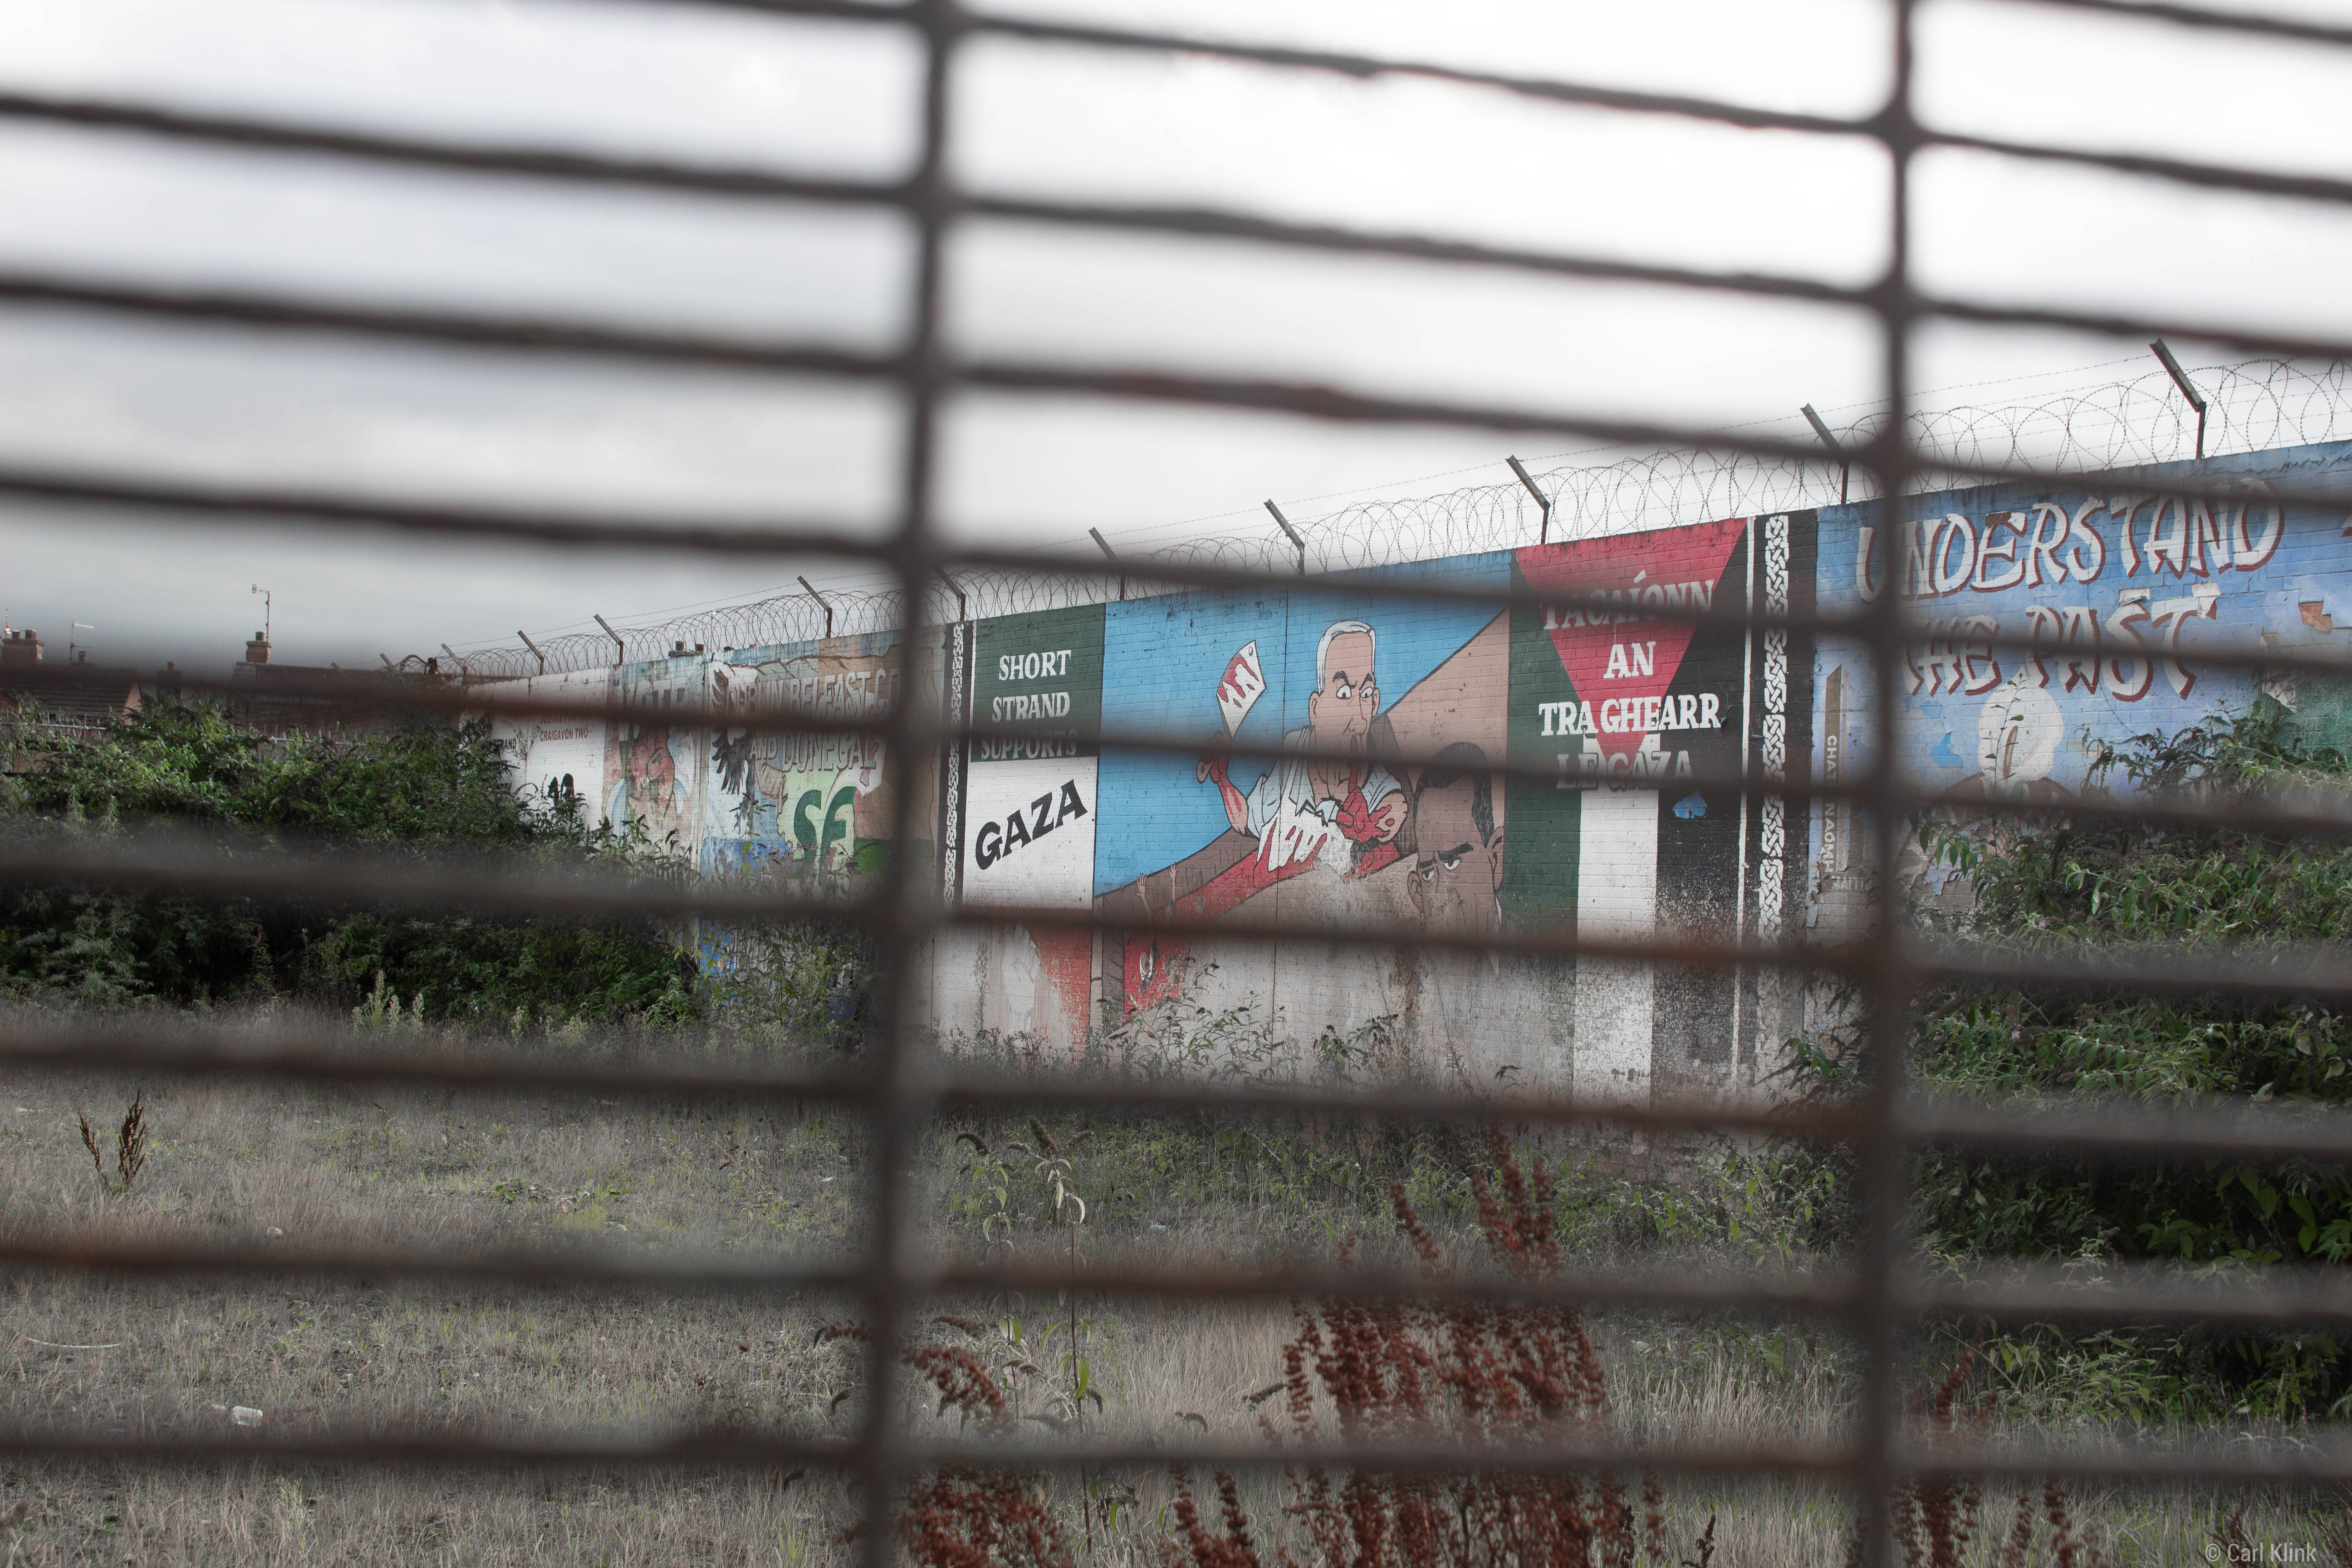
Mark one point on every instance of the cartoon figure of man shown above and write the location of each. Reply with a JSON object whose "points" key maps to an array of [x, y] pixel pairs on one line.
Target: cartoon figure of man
{"points": [[1302, 805], [1457, 869]]}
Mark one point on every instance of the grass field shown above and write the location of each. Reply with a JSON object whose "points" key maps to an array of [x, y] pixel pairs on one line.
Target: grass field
{"points": [[295, 1166]]}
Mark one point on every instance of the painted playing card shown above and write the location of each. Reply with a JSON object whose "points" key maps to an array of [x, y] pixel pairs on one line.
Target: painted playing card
{"points": [[1243, 685]]}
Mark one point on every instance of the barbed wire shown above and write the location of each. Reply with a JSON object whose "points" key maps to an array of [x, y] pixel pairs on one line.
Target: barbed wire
{"points": [[2254, 406]]}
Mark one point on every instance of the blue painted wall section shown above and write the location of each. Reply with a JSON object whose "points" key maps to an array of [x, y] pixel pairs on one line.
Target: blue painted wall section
{"points": [[2117, 586]]}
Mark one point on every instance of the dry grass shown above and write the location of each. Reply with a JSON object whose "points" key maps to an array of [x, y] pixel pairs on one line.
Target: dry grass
{"points": [[469, 1170]]}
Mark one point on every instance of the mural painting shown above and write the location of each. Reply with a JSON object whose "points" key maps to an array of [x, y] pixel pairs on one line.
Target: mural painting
{"points": [[1030, 809], [554, 758], [1359, 837], [810, 811], [1372, 802], [1620, 708], [2116, 589], [653, 774]]}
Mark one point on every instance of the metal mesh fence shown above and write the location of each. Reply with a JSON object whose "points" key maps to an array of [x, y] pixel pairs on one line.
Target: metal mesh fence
{"points": [[896, 1085]]}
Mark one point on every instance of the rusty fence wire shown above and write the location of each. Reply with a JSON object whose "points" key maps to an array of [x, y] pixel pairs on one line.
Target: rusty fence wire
{"points": [[896, 1086]]}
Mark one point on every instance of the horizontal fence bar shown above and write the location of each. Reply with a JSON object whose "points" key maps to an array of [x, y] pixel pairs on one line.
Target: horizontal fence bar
{"points": [[1211, 223], [2105, 1128], [1366, 67], [2278, 1460], [171, 863], [567, 529], [2284, 969], [502, 333], [136, 1254], [147, 1256], [2317, 1461], [2308, 1460], [2116, 324], [952, 1085], [2114, 1128], [739, 1449], [2251, 816], [1340, 405], [188, 865], [463, 1448], [424, 153], [2180, 171], [289, 1054], [2250, 1460], [2294, 29], [2276, 1297], [232, 868]]}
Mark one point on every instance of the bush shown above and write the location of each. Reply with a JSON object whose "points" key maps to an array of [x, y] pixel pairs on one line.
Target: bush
{"points": [[2054, 883], [425, 786]]}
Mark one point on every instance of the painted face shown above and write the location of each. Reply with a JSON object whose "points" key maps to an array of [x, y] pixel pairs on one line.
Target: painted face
{"points": [[2018, 734], [1341, 710], [650, 762], [1457, 871]]}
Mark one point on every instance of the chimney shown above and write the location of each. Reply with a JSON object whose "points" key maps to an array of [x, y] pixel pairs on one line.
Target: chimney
{"points": [[258, 650], [21, 647]]}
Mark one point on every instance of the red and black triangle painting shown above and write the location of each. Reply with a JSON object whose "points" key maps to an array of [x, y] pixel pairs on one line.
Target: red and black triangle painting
{"points": [[1620, 650]]}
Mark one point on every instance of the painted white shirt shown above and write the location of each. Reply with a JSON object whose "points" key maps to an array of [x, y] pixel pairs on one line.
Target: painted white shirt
{"points": [[1290, 821]]}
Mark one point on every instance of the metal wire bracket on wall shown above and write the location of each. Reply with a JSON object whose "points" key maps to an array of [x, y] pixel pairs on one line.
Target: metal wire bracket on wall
{"points": [[1895, 451]]}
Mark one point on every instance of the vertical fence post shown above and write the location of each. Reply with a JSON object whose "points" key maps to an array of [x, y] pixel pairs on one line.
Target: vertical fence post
{"points": [[1846, 468], [1544, 536], [622, 656], [892, 1099], [1109, 554], [1284, 523], [1881, 1159], [2188, 389]]}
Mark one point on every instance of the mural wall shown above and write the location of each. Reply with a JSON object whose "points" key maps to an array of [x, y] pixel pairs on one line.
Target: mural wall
{"points": [[1030, 809], [1290, 840], [2116, 589], [555, 757], [1615, 707], [808, 813], [811, 812], [1626, 707], [1618, 717]]}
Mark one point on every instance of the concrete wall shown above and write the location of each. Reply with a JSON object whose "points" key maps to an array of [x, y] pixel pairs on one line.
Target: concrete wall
{"points": [[1616, 710]]}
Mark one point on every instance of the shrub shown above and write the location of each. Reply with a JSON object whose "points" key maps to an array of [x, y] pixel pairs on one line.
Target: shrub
{"points": [[2058, 883], [1449, 1374], [425, 786]]}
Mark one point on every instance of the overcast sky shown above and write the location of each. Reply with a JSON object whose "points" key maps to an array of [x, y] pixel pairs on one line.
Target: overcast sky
{"points": [[686, 82]]}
